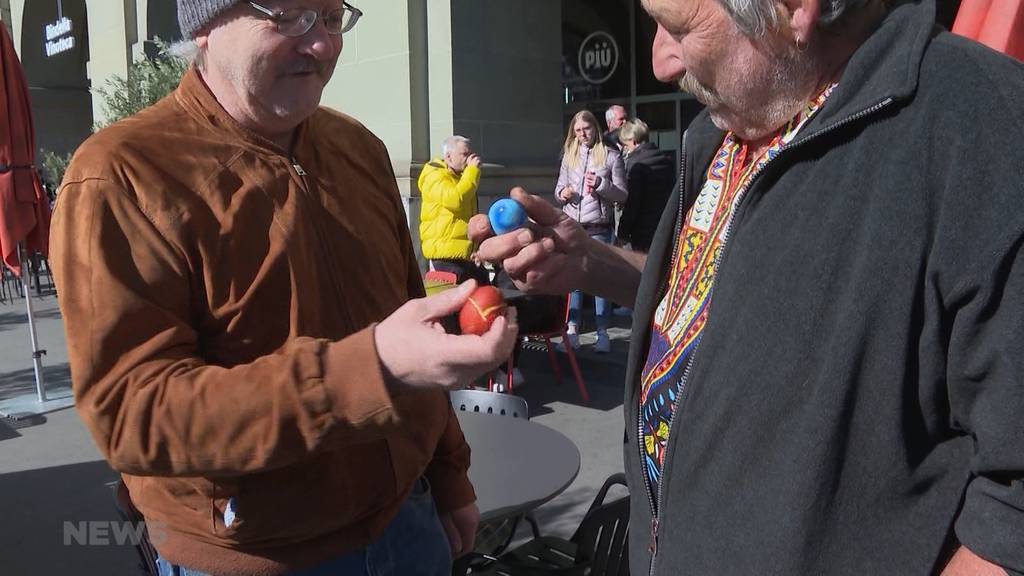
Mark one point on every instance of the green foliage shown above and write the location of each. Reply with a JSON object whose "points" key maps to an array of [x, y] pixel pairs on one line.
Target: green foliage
{"points": [[54, 165], [148, 80]]}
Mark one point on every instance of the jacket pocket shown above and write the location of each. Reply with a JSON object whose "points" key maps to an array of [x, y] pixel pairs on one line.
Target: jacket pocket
{"points": [[335, 490], [181, 503]]}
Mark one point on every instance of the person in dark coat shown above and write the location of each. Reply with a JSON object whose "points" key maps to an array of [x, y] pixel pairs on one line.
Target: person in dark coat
{"points": [[826, 366], [650, 177], [614, 116]]}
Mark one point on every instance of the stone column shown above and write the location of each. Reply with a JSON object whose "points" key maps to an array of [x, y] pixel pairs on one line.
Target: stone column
{"points": [[110, 44], [507, 90], [417, 71], [381, 81], [15, 10]]}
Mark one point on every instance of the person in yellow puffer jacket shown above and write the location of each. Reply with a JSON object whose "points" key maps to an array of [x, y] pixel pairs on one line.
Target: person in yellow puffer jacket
{"points": [[448, 191]]}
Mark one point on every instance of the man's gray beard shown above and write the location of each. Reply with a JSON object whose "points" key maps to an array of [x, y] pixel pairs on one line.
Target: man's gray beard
{"points": [[761, 118]]}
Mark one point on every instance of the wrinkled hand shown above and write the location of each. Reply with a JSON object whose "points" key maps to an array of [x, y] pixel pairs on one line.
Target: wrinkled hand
{"points": [[967, 563], [473, 160], [415, 350], [548, 256], [460, 526]]}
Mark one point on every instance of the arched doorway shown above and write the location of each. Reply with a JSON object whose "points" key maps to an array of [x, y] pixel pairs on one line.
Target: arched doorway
{"points": [[54, 53]]}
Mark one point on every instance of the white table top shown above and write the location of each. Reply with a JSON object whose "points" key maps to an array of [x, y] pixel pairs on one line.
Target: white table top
{"points": [[516, 465]]}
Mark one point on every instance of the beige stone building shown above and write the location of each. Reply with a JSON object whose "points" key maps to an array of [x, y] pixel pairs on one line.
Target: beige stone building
{"points": [[505, 73]]}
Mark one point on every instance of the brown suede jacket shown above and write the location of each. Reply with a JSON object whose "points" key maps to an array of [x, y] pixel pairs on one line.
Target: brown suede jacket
{"points": [[207, 280]]}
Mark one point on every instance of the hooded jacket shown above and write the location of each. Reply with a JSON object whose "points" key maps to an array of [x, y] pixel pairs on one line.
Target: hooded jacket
{"points": [[219, 298], [855, 402], [449, 201]]}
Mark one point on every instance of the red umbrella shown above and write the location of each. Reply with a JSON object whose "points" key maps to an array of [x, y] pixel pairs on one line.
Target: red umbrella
{"points": [[998, 24], [24, 207]]}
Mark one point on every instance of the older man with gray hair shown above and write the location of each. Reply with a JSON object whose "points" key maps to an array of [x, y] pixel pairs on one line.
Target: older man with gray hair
{"points": [[614, 116], [826, 374], [448, 188], [275, 404]]}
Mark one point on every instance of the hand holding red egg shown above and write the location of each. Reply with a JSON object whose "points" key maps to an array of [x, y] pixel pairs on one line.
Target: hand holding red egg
{"points": [[485, 304]]}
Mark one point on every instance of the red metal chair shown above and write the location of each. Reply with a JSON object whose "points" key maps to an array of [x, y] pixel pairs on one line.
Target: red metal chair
{"points": [[540, 316], [435, 281], [544, 317]]}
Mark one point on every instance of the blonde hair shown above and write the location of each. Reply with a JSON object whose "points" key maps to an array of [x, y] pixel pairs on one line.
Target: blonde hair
{"points": [[571, 148], [634, 130]]}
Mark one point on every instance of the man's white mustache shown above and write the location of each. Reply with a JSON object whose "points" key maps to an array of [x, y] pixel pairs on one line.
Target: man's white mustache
{"points": [[305, 67], [688, 83]]}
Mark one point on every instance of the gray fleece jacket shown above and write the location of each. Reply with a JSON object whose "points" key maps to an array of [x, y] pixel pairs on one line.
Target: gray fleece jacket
{"points": [[855, 405]]}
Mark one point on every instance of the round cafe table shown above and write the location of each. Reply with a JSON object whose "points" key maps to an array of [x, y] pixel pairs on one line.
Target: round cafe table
{"points": [[516, 465]]}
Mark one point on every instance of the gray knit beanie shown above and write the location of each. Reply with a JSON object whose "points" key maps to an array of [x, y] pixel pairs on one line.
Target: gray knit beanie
{"points": [[194, 14]]}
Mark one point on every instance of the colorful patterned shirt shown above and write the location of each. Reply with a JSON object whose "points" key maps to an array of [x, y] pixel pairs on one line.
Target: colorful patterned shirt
{"points": [[683, 310]]}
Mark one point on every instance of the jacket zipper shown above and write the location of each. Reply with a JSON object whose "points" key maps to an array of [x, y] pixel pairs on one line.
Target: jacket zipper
{"points": [[655, 521], [318, 230], [652, 545]]}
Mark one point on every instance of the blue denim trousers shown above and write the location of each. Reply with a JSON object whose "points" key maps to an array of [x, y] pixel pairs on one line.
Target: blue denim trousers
{"points": [[414, 544], [602, 307]]}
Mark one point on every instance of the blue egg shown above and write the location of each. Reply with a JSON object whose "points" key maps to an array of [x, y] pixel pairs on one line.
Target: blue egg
{"points": [[506, 215]]}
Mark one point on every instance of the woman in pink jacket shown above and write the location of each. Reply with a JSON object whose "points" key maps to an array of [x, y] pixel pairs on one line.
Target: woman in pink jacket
{"points": [[591, 180]]}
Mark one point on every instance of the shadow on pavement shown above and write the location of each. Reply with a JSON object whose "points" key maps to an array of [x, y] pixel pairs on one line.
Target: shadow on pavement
{"points": [[9, 320], [563, 515], [21, 382], [602, 375], [7, 431], [9, 426], [38, 503]]}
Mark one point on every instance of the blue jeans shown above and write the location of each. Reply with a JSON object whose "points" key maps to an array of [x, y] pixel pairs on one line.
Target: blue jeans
{"points": [[602, 307], [414, 544]]}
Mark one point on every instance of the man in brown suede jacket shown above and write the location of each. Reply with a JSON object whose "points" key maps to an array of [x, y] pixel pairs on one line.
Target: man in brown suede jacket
{"points": [[242, 303]]}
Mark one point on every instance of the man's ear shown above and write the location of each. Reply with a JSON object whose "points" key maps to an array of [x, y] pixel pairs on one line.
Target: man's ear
{"points": [[202, 40], [799, 20]]}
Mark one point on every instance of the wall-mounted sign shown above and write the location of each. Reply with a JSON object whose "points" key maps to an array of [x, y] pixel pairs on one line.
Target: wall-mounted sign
{"points": [[58, 37], [599, 57]]}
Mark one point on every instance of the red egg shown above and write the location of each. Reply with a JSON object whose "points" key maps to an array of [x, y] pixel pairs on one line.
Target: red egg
{"points": [[479, 312]]}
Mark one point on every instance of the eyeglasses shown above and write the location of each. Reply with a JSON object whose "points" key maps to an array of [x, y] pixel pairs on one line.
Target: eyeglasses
{"points": [[296, 22]]}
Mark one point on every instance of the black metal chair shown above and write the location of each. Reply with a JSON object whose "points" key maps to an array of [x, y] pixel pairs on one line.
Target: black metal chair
{"points": [[599, 546], [10, 285], [40, 266], [4, 290]]}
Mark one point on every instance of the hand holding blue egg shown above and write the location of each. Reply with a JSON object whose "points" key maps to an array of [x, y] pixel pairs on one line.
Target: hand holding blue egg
{"points": [[506, 215]]}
